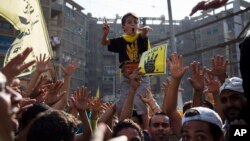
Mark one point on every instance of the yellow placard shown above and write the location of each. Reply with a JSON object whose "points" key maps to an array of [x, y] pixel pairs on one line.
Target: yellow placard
{"points": [[27, 17], [153, 61]]}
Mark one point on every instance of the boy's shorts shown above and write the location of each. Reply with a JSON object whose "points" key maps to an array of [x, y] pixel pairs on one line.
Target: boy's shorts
{"points": [[139, 105]]}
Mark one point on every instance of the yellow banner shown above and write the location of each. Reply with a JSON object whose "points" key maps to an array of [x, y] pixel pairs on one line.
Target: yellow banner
{"points": [[26, 16], [153, 61], [9, 10]]}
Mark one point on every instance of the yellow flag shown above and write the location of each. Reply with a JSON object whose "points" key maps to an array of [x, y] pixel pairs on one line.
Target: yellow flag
{"points": [[97, 95], [26, 16], [153, 61]]}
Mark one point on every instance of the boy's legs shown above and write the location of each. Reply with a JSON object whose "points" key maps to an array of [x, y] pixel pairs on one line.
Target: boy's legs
{"points": [[121, 97], [141, 107]]}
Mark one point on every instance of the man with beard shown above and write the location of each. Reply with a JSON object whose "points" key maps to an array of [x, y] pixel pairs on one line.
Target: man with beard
{"points": [[233, 103], [159, 127]]}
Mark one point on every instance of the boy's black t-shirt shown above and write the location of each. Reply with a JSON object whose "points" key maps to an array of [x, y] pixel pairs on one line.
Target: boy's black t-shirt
{"points": [[128, 51]]}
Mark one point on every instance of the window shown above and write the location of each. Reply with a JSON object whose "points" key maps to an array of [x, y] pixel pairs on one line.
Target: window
{"points": [[107, 78], [215, 30], [109, 69], [209, 32], [5, 25]]}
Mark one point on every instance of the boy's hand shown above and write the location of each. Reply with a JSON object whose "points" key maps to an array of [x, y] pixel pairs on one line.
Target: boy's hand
{"points": [[105, 27], [144, 30]]}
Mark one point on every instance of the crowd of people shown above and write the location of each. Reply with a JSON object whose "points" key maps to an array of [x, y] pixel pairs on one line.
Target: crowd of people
{"points": [[46, 111]]}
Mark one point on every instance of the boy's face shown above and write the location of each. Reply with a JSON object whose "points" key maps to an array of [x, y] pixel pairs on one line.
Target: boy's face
{"points": [[131, 25]]}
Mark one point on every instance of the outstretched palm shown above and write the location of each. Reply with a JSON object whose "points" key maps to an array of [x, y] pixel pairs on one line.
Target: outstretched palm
{"points": [[42, 63], [80, 98], [71, 67], [176, 66]]}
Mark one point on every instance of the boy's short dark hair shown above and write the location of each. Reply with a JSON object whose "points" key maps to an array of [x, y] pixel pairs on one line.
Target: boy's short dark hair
{"points": [[127, 123], [31, 113], [53, 125], [126, 16]]}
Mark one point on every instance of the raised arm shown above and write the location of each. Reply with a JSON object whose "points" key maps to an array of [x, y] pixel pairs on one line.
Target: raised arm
{"points": [[96, 108], [80, 101], [105, 29], [107, 118], [127, 109], [41, 66], [213, 86], [16, 65], [144, 30], [53, 94], [177, 71], [219, 67], [150, 101], [68, 72], [197, 82], [109, 111]]}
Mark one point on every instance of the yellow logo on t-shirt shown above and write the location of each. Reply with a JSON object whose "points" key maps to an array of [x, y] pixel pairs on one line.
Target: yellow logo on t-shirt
{"points": [[132, 51]]}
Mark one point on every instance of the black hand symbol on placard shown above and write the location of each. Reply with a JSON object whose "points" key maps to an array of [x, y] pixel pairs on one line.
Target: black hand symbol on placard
{"points": [[149, 64]]}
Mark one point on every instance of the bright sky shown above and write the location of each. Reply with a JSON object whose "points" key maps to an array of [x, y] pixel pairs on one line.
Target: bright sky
{"points": [[143, 8]]}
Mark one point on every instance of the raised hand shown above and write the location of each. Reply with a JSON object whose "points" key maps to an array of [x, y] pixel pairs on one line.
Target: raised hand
{"points": [[53, 93], [16, 65], [219, 67], [80, 100], [144, 30], [105, 28], [96, 104], [106, 106], [176, 66], [135, 79], [70, 68], [34, 92], [71, 107], [42, 64], [147, 97], [197, 77], [213, 84], [150, 101]]}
